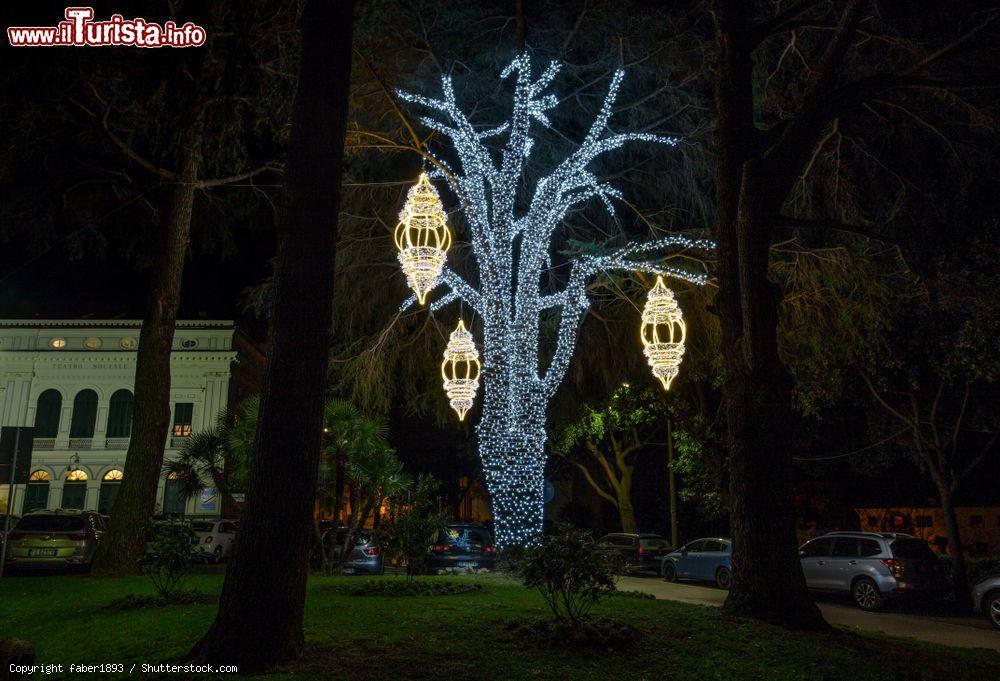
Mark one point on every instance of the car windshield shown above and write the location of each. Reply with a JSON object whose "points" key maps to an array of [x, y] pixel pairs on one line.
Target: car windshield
{"points": [[202, 526], [654, 543], [912, 548], [51, 523], [466, 535]]}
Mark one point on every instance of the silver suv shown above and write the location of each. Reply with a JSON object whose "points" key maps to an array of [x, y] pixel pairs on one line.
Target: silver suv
{"points": [[986, 599], [872, 566]]}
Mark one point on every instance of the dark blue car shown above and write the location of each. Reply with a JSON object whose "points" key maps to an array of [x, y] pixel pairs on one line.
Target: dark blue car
{"points": [[705, 560]]}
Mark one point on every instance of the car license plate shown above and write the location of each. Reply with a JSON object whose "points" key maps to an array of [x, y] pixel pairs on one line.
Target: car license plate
{"points": [[347, 571], [468, 564], [41, 553]]}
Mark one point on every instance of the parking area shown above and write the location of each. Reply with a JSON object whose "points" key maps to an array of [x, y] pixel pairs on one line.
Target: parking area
{"points": [[923, 625]]}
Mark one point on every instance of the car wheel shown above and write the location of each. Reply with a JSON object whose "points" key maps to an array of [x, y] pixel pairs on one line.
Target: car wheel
{"points": [[724, 578], [669, 571], [992, 608], [866, 594]]}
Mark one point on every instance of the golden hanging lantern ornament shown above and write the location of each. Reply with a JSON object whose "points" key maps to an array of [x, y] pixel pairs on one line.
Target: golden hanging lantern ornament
{"points": [[663, 333], [422, 237], [460, 370]]}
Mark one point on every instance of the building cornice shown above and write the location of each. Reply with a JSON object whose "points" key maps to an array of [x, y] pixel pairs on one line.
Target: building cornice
{"points": [[108, 323]]}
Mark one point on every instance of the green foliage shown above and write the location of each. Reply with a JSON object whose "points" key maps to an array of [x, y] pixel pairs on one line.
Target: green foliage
{"points": [[170, 556], [408, 537], [221, 453], [571, 571], [698, 462], [629, 408]]}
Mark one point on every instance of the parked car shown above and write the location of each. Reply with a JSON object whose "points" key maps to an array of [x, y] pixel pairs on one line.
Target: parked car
{"points": [[872, 567], [365, 557], [986, 599], [54, 539], [709, 559], [638, 551], [216, 538], [463, 546]]}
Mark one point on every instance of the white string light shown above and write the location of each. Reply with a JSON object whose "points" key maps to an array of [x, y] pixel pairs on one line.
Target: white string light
{"points": [[512, 250]]}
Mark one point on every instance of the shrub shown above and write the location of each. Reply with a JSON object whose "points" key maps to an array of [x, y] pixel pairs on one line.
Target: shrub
{"points": [[170, 556], [408, 538], [571, 571]]}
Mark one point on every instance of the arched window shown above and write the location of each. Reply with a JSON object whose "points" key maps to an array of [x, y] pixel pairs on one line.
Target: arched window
{"points": [[75, 490], [36, 495], [84, 414], [120, 414], [110, 483], [47, 413]]}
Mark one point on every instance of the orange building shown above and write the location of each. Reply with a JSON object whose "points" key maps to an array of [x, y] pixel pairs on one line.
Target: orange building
{"points": [[979, 526]]}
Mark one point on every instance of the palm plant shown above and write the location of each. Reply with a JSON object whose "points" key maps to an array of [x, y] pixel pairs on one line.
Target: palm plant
{"points": [[347, 433], [220, 453], [374, 475]]}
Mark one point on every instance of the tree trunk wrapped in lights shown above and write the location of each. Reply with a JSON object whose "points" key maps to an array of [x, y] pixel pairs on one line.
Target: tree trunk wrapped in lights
{"points": [[512, 252], [460, 370], [422, 237], [663, 333]]}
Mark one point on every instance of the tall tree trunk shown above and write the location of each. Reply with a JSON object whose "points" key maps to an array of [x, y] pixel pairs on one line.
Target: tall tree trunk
{"points": [[672, 483], [959, 575], [626, 513], [125, 542], [514, 468], [259, 623], [339, 477], [768, 582]]}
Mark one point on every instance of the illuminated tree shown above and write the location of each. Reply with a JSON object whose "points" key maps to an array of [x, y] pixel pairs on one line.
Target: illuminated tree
{"points": [[512, 248]]}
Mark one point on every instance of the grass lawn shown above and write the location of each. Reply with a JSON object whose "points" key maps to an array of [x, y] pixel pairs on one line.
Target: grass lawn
{"points": [[465, 637]]}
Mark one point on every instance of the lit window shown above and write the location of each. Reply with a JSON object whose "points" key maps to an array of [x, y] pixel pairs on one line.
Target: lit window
{"points": [[92, 343], [39, 476], [182, 418], [114, 475], [128, 343], [76, 476], [57, 343]]}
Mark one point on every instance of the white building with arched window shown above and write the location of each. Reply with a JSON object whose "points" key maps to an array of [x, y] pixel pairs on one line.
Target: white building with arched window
{"points": [[73, 381]]}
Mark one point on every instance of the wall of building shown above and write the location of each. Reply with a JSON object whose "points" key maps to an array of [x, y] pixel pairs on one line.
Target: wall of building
{"points": [[978, 525], [75, 355]]}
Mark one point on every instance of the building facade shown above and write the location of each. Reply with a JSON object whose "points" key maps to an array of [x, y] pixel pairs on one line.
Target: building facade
{"points": [[978, 526], [72, 380]]}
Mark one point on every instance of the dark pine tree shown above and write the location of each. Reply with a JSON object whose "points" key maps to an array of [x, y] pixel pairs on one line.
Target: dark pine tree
{"points": [[259, 623]]}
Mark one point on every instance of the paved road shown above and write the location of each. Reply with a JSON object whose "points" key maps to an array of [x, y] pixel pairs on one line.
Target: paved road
{"points": [[964, 632]]}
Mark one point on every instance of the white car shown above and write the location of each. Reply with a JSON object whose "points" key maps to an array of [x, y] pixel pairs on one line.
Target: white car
{"points": [[216, 538], [986, 599]]}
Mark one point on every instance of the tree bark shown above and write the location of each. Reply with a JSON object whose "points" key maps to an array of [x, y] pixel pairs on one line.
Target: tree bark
{"points": [[259, 623], [672, 484], [959, 575], [626, 512], [768, 582], [125, 542]]}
